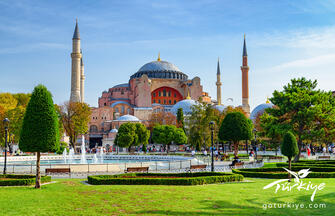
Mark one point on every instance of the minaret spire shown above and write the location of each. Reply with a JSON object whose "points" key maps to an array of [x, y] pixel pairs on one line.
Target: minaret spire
{"points": [[244, 48], [245, 80], [82, 79], [159, 56], [218, 83], [76, 67]]}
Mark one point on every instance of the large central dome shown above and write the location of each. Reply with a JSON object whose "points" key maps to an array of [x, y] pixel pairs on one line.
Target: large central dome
{"points": [[160, 69]]}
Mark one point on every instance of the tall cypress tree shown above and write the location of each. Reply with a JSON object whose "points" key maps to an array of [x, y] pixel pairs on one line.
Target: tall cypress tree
{"points": [[180, 119], [40, 131]]}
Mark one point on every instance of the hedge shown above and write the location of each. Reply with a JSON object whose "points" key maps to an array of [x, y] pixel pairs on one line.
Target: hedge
{"points": [[197, 178], [17, 180], [279, 172]]}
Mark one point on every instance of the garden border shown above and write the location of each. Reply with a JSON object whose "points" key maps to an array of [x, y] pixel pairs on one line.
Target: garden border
{"points": [[19, 180], [197, 178]]}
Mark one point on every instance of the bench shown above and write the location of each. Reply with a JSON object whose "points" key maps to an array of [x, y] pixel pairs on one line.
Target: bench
{"points": [[136, 169], [58, 170], [238, 164], [201, 167], [323, 157], [275, 158]]}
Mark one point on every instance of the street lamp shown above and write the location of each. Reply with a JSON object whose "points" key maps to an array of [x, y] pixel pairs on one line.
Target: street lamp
{"points": [[212, 127], [6, 123], [255, 142]]}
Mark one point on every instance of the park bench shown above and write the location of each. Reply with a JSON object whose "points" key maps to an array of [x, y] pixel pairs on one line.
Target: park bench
{"points": [[58, 171], [238, 164], [137, 169], [323, 157], [200, 167], [275, 158]]}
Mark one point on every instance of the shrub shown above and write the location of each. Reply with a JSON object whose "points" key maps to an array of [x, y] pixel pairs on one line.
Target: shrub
{"points": [[180, 178], [16, 180], [279, 173]]}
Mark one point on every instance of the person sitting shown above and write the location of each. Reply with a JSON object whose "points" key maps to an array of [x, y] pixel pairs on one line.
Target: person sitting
{"points": [[236, 160]]}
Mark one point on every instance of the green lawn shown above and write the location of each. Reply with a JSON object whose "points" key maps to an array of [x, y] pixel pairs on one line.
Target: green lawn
{"points": [[71, 197]]}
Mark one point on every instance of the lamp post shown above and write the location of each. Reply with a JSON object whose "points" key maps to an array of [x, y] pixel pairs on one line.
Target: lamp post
{"points": [[212, 126], [255, 142], [6, 123]]}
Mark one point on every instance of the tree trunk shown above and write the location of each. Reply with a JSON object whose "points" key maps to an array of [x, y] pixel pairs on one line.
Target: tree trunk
{"points": [[38, 173], [289, 167], [168, 148], [235, 148], [299, 144], [299, 147]]}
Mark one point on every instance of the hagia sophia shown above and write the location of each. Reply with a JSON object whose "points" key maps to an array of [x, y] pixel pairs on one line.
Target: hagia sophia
{"points": [[158, 86]]}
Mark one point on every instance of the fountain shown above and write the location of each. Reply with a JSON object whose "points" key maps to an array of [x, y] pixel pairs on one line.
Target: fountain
{"points": [[101, 155], [95, 159], [83, 151], [64, 155], [71, 155]]}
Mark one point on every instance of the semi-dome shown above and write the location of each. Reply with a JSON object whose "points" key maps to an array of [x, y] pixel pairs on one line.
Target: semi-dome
{"points": [[114, 130], [185, 104], [220, 107], [259, 110], [160, 69], [127, 118]]}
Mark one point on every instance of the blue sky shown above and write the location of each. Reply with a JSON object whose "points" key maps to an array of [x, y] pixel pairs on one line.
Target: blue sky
{"points": [[285, 39]]}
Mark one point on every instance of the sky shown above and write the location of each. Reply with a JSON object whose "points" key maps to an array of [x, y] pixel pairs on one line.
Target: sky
{"points": [[285, 39]]}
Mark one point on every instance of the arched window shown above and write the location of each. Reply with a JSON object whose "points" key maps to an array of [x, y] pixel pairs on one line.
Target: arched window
{"points": [[128, 111], [116, 110], [93, 128], [122, 109]]}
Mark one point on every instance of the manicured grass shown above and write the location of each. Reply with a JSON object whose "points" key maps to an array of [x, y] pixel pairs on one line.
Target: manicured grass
{"points": [[71, 197]]}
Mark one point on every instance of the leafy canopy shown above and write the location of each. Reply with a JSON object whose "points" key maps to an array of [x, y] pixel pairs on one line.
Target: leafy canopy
{"points": [[235, 127], [132, 134], [168, 134]]}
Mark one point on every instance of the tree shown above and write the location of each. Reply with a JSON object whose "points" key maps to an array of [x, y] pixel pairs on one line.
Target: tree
{"points": [[198, 131], [75, 117], [180, 118], [235, 127], [289, 148], [7, 101], [126, 135], [39, 131], [301, 108], [168, 134], [161, 118], [22, 99], [13, 107], [143, 135], [16, 119]]}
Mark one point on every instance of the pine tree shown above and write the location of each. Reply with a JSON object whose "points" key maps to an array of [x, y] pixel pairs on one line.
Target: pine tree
{"points": [[40, 131]]}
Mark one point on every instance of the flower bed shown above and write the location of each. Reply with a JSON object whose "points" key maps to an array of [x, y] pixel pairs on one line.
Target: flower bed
{"points": [[17, 180], [197, 178]]}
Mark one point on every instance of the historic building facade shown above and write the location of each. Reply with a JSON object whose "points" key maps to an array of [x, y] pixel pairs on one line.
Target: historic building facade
{"points": [[158, 86]]}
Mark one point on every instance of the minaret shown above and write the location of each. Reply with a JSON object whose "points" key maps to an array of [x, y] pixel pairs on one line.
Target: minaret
{"points": [[82, 79], [245, 81], [75, 72], [218, 84]]}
